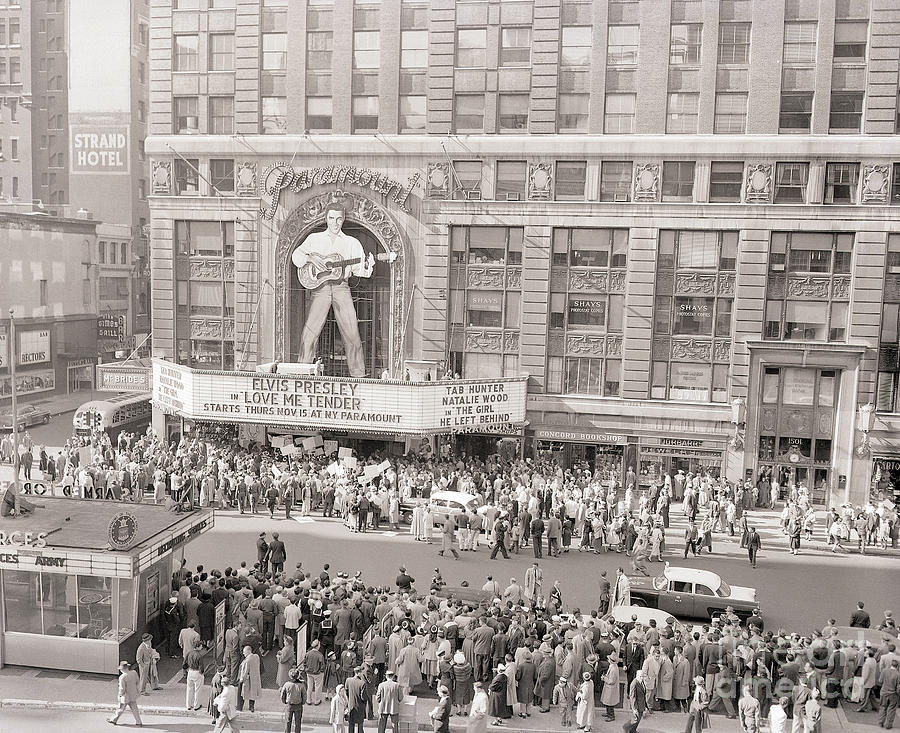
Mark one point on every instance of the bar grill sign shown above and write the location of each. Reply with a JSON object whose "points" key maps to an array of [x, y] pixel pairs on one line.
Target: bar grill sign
{"points": [[111, 326]]}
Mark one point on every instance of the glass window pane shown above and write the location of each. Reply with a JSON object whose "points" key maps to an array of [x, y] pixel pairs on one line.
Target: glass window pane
{"points": [[698, 250], [125, 609], [94, 606], [22, 596], [805, 320], [690, 382], [658, 380], [694, 316], [616, 311], [771, 378], [799, 386], [587, 313]]}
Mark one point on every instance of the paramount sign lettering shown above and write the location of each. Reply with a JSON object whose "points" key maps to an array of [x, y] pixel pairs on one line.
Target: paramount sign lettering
{"points": [[323, 402], [282, 177]]}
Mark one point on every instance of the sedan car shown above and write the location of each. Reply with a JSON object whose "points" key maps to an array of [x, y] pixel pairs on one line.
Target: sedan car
{"points": [[692, 593], [28, 415]]}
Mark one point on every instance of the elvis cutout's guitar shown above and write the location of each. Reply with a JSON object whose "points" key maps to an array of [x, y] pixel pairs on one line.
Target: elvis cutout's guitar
{"points": [[322, 269]]}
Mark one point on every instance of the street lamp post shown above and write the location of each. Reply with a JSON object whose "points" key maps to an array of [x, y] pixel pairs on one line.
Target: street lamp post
{"points": [[15, 407]]}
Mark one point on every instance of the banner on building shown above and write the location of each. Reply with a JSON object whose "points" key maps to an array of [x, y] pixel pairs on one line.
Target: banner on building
{"points": [[34, 347], [99, 148]]}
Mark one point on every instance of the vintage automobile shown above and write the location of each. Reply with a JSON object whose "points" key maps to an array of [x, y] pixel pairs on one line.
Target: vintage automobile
{"points": [[28, 415], [692, 593], [441, 504]]}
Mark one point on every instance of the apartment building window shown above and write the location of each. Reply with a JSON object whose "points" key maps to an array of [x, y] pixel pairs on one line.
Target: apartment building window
{"points": [[14, 148], [221, 174], [142, 189], [274, 51], [468, 113], [15, 70], [365, 114], [466, 179], [3, 77], [572, 112], [123, 256], [790, 183], [274, 115], [726, 179], [187, 180], [515, 46], [618, 114], [319, 46], [221, 4], [678, 181], [101, 252], [841, 182], [731, 113], [221, 115], [615, 180], [895, 184], [684, 44], [113, 254], [734, 43], [366, 49], [571, 178], [3, 35], [221, 52], [204, 238], [808, 286], [622, 45], [889, 346], [413, 49], [575, 42], [512, 112], [687, 304], [796, 112], [15, 187], [186, 51], [846, 111], [318, 114], [143, 34], [800, 42], [187, 120], [850, 37], [471, 48], [510, 180], [682, 113], [413, 113], [142, 72], [15, 32], [186, 4], [43, 297]]}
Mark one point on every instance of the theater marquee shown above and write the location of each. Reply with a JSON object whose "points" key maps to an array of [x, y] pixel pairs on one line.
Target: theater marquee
{"points": [[333, 403]]}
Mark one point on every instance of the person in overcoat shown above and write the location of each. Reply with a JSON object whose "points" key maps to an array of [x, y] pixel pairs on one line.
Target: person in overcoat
{"points": [[461, 677], [665, 683], [408, 668], [584, 713], [478, 712], [611, 694], [546, 679], [499, 708], [526, 675], [249, 680], [681, 682]]}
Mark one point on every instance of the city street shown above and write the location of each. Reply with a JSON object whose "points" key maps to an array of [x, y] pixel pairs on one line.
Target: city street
{"points": [[14, 720], [797, 592]]}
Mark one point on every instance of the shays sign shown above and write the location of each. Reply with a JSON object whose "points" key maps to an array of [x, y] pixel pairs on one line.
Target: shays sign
{"points": [[283, 177]]}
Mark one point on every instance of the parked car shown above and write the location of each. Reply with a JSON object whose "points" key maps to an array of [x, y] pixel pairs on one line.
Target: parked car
{"points": [[443, 503], [28, 415], [692, 593]]}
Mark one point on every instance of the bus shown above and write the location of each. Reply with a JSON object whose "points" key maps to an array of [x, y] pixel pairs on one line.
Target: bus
{"points": [[124, 412]]}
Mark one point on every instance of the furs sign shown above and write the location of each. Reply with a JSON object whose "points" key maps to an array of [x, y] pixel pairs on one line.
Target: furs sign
{"points": [[282, 177]]}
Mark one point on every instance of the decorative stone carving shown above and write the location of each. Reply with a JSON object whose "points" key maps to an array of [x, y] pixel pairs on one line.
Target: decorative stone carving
{"points": [[510, 341], [808, 287], [540, 181], [583, 344], [691, 349], [758, 188], [888, 357], [513, 278], [875, 184], [693, 283], [360, 210], [824, 424], [660, 348], [228, 329], [665, 283], [614, 345], [482, 277], [587, 280], [437, 181], [767, 420], [840, 288], [646, 182], [556, 344], [229, 269], [484, 341], [246, 178], [203, 269], [162, 177], [202, 328], [797, 422], [775, 286], [725, 284], [617, 281], [558, 280], [722, 350]]}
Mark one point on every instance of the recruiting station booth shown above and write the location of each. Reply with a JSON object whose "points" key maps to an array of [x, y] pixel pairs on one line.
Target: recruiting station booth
{"points": [[80, 579]]}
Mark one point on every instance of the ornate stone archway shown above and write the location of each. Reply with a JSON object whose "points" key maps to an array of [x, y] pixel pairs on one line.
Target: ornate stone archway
{"points": [[360, 210]]}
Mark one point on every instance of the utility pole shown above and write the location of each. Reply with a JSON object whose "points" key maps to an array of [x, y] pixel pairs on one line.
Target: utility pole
{"points": [[13, 351]]}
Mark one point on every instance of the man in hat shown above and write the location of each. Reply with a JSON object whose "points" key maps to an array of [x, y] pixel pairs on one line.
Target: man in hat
{"points": [[637, 696], [387, 699], [146, 660], [277, 553], [262, 552], [357, 699], [293, 692], [128, 694], [698, 706]]}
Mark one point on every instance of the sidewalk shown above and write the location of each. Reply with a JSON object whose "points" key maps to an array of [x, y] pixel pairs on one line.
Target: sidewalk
{"points": [[74, 691]]}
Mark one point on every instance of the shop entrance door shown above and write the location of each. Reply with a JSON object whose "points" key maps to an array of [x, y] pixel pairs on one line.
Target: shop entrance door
{"points": [[816, 480]]}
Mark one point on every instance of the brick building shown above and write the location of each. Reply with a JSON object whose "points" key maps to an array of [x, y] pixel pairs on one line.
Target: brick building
{"points": [[691, 248]]}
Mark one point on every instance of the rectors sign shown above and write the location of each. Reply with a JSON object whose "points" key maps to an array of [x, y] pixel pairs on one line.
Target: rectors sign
{"points": [[338, 403], [99, 148]]}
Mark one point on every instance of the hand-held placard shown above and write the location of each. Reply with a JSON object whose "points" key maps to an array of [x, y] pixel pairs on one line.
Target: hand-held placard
{"points": [[322, 269]]}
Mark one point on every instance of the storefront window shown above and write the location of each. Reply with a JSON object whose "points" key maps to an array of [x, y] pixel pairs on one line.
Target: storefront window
{"points": [[22, 596], [885, 480], [889, 346], [125, 611], [95, 617], [808, 286], [57, 605]]}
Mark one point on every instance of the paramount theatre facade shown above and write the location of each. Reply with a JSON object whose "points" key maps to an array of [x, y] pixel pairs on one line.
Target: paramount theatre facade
{"points": [[657, 302]]}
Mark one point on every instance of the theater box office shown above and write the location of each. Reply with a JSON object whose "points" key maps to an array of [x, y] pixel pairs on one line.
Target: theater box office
{"points": [[80, 580]]}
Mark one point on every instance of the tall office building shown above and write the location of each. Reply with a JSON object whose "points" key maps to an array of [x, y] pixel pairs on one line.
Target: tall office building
{"points": [[677, 217]]}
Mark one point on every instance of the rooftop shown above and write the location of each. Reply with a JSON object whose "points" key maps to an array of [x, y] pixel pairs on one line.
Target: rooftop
{"points": [[82, 524]]}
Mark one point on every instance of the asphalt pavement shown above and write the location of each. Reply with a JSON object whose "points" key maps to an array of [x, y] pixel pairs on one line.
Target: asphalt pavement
{"points": [[30, 720]]}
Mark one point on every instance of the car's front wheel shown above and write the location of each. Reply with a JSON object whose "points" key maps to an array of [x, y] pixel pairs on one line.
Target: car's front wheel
{"points": [[640, 602]]}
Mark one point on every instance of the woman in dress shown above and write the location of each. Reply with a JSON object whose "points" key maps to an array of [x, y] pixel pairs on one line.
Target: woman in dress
{"points": [[526, 673], [286, 659], [478, 712], [498, 707], [461, 677], [339, 708]]}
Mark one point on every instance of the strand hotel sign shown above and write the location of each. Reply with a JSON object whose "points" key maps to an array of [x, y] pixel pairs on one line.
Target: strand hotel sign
{"points": [[410, 408]]}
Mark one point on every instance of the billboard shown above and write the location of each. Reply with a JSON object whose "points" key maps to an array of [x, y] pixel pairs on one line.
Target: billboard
{"points": [[99, 148], [339, 403], [34, 347]]}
